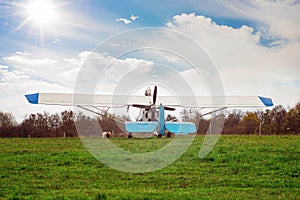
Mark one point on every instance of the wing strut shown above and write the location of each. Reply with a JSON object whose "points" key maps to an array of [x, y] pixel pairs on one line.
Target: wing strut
{"points": [[214, 111], [111, 117]]}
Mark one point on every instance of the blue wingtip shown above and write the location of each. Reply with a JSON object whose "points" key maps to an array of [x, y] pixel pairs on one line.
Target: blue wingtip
{"points": [[32, 98], [266, 101]]}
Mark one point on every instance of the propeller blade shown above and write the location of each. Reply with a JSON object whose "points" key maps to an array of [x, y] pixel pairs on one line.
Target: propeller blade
{"points": [[169, 108], [140, 106], [154, 95]]}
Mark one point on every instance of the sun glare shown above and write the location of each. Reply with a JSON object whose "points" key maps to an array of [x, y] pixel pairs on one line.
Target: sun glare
{"points": [[41, 12]]}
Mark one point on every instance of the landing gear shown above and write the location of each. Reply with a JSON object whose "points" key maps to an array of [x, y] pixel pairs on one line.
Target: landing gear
{"points": [[129, 135], [169, 134]]}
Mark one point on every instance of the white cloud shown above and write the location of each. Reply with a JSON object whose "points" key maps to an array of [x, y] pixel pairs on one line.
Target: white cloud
{"points": [[23, 53], [29, 74], [172, 59], [53, 42], [46, 69], [19, 58], [106, 71], [246, 67], [78, 61], [124, 20], [13, 88], [281, 17], [127, 21], [133, 17], [3, 69]]}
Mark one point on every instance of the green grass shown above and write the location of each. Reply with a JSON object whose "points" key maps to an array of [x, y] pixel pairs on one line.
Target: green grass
{"points": [[239, 167]]}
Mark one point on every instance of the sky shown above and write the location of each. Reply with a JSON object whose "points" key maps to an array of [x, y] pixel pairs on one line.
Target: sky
{"points": [[253, 44]]}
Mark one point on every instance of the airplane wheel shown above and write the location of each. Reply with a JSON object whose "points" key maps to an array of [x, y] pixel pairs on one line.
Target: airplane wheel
{"points": [[129, 135], [159, 135]]}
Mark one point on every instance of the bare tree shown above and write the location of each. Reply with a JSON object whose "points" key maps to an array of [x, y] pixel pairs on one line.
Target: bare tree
{"points": [[54, 123], [293, 120], [232, 123], [278, 117], [68, 125], [7, 124], [251, 123]]}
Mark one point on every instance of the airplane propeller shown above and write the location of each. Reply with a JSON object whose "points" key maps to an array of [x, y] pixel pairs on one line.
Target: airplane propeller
{"points": [[147, 107], [140, 106], [169, 108], [154, 95]]}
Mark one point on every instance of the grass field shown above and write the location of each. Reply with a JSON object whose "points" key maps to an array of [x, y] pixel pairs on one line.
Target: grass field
{"points": [[239, 167]]}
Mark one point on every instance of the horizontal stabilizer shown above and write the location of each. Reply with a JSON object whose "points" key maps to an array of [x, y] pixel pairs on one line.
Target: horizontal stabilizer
{"points": [[141, 127], [181, 127]]}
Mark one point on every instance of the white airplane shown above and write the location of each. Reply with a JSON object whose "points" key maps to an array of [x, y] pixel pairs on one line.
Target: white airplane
{"points": [[153, 115]]}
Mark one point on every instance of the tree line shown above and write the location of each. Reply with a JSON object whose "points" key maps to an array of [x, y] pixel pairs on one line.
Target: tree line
{"points": [[276, 121], [53, 125]]}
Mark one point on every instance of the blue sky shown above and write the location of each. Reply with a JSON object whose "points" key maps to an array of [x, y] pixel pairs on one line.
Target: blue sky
{"points": [[253, 43], [151, 14]]}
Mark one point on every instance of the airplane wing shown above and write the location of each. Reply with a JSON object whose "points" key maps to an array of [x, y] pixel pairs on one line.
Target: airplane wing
{"points": [[84, 99], [126, 100], [221, 102]]}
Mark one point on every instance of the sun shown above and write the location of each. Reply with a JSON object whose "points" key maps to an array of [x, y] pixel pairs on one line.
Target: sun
{"points": [[41, 12], [43, 15]]}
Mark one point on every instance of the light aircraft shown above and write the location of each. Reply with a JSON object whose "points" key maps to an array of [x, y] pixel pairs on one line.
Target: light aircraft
{"points": [[152, 119]]}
